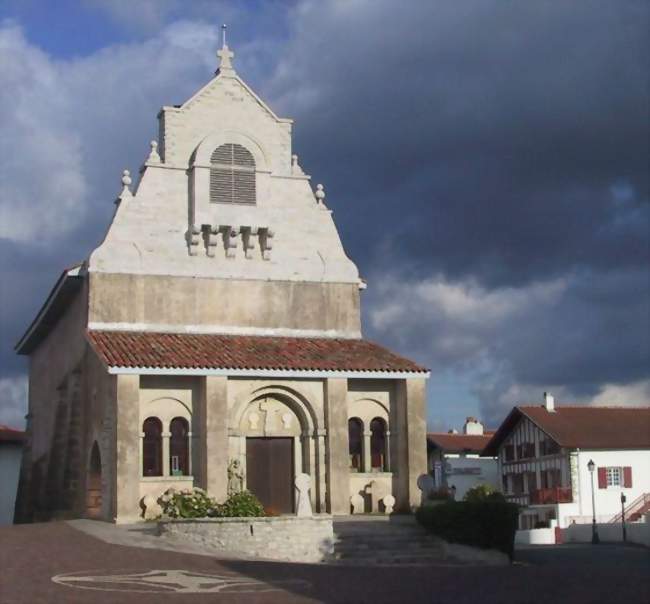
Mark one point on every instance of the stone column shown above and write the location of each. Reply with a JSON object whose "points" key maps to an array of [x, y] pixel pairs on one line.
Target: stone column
{"points": [[336, 418], [127, 463], [412, 439], [166, 465], [367, 459], [319, 440], [213, 436], [387, 466]]}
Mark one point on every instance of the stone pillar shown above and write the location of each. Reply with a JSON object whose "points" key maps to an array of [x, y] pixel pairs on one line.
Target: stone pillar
{"points": [[319, 439], [412, 439], [127, 463], [387, 466], [367, 460], [166, 465], [213, 436], [336, 418]]}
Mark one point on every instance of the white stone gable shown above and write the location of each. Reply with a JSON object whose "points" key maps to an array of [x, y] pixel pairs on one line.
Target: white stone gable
{"points": [[171, 225]]}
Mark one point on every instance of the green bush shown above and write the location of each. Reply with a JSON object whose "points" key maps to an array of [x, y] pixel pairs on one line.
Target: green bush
{"points": [[240, 505], [196, 503], [188, 503], [486, 524], [483, 492]]}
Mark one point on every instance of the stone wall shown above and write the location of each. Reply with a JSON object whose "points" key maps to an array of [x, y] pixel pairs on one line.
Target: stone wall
{"points": [[291, 539]]}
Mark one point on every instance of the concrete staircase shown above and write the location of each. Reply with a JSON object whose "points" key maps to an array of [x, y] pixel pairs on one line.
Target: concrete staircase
{"points": [[384, 540]]}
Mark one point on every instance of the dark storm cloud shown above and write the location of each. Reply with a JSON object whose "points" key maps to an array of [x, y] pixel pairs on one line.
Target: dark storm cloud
{"points": [[497, 144], [493, 154], [488, 135]]}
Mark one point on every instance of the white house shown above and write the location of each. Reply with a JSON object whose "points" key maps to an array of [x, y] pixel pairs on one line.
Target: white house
{"points": [[544, 454], [454, 460], [11, 452]]}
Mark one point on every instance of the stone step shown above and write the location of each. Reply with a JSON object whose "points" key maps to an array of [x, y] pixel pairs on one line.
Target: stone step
{"points": [[390, 553], [390, 561]]}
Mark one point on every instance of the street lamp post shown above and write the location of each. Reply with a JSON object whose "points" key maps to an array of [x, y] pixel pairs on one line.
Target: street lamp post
{"points": [[594, 529], [623, 516]]}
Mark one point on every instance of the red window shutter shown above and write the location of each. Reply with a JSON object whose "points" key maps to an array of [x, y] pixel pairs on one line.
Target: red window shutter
{"points": [[627, 477], [602, 478]]}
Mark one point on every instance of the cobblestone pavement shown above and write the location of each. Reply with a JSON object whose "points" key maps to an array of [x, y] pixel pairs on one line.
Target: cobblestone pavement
{"points": [[54, 562]]}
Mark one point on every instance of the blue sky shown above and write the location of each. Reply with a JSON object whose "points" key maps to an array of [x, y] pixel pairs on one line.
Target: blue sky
{"points": [[486, 162]]}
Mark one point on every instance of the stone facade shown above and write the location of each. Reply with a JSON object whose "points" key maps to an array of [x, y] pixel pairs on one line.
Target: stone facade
{"points": [[178, 259]]}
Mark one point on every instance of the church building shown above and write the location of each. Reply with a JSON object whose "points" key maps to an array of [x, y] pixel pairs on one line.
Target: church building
{"points": [[217, 326]]}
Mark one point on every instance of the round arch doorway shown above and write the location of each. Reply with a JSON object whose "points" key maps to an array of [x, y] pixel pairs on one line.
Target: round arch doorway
{"points": [[94, 485]]}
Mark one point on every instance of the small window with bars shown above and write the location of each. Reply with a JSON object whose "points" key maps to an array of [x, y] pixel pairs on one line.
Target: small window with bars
{"points": [[232, 175]]}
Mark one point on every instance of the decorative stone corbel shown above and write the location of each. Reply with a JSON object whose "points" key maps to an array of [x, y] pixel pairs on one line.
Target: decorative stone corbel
{"points": [[248, 240], [230, 240], [266, 242], [212, 239], [193, 236]]}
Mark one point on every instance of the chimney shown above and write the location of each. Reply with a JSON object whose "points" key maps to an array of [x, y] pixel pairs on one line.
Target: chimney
{"points": [[549, 402], [472, 426]]}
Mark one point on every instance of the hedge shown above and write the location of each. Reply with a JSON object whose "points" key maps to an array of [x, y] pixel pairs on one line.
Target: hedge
{"points": [[485, 524]]}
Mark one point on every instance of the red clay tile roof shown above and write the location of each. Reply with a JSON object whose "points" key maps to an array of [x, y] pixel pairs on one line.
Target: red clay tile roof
{"points": [[459, 443], [212, 351], [583, 427], [9, 435]]}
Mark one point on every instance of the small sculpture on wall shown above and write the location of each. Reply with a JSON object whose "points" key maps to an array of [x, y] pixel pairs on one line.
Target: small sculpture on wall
{"points": [[235, 477], [253, 420]]}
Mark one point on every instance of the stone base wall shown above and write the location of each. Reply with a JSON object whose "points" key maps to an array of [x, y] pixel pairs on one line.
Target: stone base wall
{"points": [[290, 539]]}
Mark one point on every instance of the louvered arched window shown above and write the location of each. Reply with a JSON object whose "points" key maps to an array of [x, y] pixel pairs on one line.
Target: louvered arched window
{"points": [[232, 175]]}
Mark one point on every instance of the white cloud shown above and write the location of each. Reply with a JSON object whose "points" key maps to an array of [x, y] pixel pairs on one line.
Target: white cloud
{"points": [[42, 186], [13, 401], [70, 127]]}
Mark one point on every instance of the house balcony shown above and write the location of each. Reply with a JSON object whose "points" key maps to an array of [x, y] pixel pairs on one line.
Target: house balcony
{"points": [[552, 495]]}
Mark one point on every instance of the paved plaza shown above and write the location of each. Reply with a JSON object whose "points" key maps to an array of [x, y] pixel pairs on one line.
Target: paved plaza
{"points": [[56, 562]]}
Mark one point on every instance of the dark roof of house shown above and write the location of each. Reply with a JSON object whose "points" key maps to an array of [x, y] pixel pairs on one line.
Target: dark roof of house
{"points": [[582, 427], [459, 443], [213, 351], [10, 435]]}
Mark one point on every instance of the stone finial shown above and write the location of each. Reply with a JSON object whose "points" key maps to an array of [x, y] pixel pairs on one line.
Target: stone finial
{"points": [[224, 53], [154, 157], [126, 183], [320, 194], [296, 170]]}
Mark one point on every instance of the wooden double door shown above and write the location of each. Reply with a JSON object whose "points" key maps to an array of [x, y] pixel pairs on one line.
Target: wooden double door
{"points": [[270, 473]]}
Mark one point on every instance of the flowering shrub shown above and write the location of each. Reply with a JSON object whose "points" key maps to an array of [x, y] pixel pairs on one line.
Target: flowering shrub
{"points": [[196, 503], [240, 505], [188, 503]]}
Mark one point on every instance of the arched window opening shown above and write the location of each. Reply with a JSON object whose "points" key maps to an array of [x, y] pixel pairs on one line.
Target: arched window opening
{"points": [[232, 175], [378, 444], [355, 438], [152, 447], [179, 447]]}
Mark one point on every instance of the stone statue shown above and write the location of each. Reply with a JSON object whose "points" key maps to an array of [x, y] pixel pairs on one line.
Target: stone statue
{"points": [[235, 477]]}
